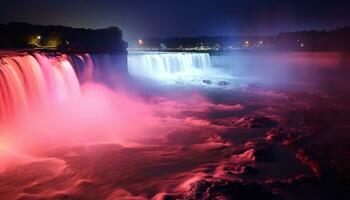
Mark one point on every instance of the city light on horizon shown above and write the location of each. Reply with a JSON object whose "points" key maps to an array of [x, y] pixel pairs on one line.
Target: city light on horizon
{"points": [[140, 42]]}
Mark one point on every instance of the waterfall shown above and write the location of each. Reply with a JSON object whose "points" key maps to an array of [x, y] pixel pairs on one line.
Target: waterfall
{"points": [[158, 65], [28, 81]]}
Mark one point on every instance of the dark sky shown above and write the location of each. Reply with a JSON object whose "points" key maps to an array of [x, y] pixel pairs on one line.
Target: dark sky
{"points": [[163, 18]]}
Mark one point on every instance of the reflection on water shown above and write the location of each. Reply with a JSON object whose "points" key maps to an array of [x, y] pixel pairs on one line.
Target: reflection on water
{"points": [[223, 138]]}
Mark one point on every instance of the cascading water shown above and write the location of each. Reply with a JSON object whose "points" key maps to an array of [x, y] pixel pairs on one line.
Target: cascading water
{"points": [[31, 80], [39, 79], [165, 66]]}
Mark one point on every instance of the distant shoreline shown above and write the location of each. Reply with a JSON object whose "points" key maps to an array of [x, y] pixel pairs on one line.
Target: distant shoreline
{"points": [[237, 51]]}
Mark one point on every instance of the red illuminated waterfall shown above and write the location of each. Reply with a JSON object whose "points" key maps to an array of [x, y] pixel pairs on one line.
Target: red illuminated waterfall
{"points": [[30, 80]]}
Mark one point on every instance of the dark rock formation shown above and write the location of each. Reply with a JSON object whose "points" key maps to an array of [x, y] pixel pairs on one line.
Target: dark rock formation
{"points": [[255, 121], [208, 82], [223, 83], [227, 189], [285, 136]]}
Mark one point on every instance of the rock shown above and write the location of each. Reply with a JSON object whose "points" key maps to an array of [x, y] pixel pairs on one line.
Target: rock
{"points": [[247, 156], [306, 160], [255, 121], [223, 83], [285, 136], [262, 151], [227, 189], [165, 196], [242, 170], [208, 82]]}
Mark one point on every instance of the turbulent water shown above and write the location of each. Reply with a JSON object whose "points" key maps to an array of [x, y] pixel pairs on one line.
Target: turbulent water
{"points": [[230, 139]]}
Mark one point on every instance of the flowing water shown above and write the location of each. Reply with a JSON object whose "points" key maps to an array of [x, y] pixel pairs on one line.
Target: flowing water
{"points": [[65, 135], [170, 66], [29, 80]]}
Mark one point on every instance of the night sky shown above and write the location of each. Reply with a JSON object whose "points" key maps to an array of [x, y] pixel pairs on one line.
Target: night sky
{"points": [[164, 18]]}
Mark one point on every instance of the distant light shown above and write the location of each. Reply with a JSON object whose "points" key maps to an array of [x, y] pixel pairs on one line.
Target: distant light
{"points": [[302, 45], [261, 42], [246, 43], [38, 37], [140, 41], [163, 46]]}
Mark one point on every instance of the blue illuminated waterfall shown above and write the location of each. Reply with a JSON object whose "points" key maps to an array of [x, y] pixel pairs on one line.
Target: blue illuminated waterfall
{"points": [[174, 65]]}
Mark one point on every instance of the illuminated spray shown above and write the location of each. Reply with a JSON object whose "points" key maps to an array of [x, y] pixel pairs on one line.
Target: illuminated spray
{"points": [[49, 101]]}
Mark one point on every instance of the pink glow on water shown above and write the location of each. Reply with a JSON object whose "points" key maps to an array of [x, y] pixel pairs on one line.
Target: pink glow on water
{"points": [[30, 86], [60, 77], [28, 81], [42, 105], [98, 115], [63, 139]]}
